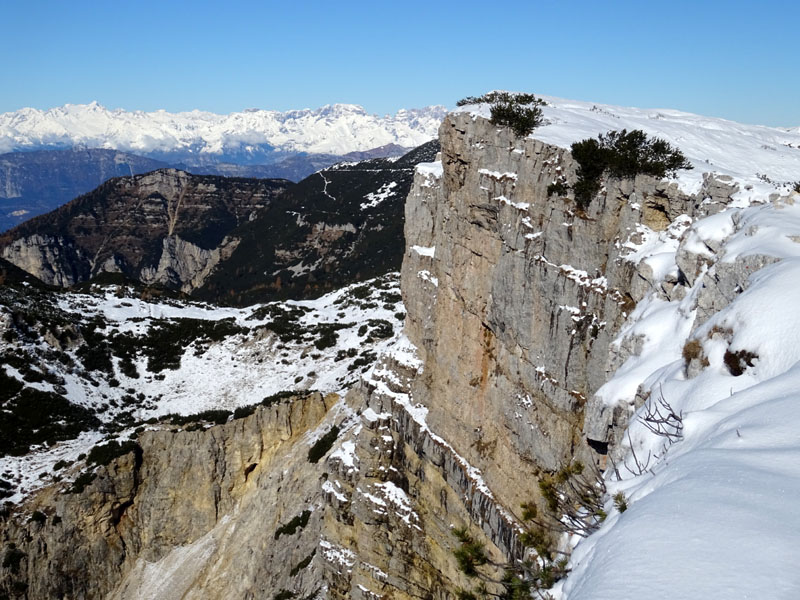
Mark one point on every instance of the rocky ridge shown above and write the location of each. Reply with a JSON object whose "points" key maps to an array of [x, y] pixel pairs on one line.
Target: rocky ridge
{"points": [[167, 226], [36, 182], [228, 240]]}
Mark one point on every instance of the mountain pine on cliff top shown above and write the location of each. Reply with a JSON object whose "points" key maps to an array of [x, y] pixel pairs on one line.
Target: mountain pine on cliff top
{"points": [[622, 154]]}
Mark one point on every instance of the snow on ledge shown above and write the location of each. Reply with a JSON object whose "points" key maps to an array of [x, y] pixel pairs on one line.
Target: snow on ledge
{"points": [[424, 250]]}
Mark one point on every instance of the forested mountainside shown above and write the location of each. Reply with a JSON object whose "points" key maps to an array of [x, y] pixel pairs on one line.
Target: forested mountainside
{"points": [[224, 239]]}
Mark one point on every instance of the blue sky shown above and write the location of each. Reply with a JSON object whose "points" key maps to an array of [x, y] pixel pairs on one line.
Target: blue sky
{"points": [[737, 60]]}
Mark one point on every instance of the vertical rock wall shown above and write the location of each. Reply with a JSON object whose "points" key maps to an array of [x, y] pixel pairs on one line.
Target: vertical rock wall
{"points": [[514, 296]]}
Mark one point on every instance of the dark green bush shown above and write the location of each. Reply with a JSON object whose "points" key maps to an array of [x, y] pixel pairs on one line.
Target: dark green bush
{"points": [[322, 445], [12, 558], [244, 411], [38, 517], [622, 154], [497, 97], [381, 329], [521, 119], [360, 291], [302, 564], [103, 454], [82, 481], [218, 417], [6, 489], [559, 188], [520, 112], [290, 528], [32, 416], [327, 339], [167, 340], [366, 359]]}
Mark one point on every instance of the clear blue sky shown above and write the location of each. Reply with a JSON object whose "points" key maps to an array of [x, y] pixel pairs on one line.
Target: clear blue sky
{"points": [[738, 60]]}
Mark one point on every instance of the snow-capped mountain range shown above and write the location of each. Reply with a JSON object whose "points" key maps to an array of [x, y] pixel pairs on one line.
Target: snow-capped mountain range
{"points": [[332, 129]]}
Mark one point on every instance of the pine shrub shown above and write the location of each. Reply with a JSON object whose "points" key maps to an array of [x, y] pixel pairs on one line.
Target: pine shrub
{"points": [[620, 501], [622, 154], [519, 111], [103, 454], [290, 528], [321, 447]]}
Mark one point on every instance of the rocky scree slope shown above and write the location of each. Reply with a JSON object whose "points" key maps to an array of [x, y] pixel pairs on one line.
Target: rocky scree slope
{"points": [[524, 320]]}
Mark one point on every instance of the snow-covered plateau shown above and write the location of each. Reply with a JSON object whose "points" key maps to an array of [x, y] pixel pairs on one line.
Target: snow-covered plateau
{"points": [[331, 129], [763, 160]]}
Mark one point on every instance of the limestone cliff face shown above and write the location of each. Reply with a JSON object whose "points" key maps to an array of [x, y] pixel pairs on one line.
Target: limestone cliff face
{"points": [[203, 491], [513, 298]]}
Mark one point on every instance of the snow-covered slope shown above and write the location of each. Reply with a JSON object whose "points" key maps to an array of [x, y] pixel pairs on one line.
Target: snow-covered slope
{"points": [[764, 160], [251, 353], [333, 129], [712, 512]]}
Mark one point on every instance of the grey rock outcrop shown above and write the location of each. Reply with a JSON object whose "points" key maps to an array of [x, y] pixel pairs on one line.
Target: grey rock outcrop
{"points": [[48, 258], [184, 265], [33, 183]]}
